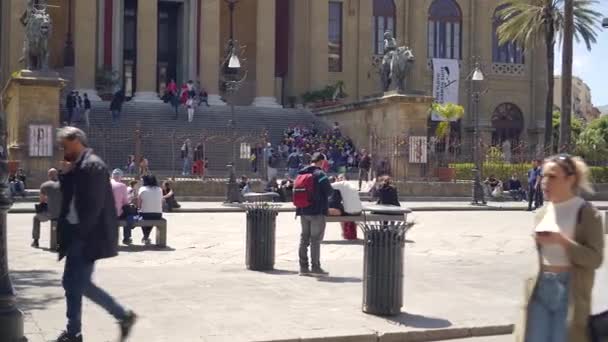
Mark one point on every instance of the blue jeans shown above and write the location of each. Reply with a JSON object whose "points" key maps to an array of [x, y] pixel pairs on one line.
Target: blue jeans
{"points": [[548, 309], [115, 115], [77, 282], [187, 169]]}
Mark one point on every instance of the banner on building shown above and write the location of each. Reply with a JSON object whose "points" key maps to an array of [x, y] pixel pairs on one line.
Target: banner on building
{"points": [[446, 76], [418, 150], [41, 141]]}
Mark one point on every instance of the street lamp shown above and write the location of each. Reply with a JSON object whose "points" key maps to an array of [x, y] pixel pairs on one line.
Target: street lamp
{"points": [[476, 78], [11, 318], [233, 74]]}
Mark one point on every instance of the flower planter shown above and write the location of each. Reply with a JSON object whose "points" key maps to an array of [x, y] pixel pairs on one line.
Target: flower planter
{"points": [[445, 174]]}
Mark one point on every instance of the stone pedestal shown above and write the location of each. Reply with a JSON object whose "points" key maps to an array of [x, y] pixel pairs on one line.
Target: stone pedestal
{"points": [[31, 103], [384, 126]]}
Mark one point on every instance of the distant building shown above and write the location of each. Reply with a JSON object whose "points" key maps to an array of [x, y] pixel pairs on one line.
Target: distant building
{"points": [[582, 106]]}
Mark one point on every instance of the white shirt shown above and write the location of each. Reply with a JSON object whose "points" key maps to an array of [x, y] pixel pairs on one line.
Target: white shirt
{"points": [[350, 197], [151, 199], [560, 217]]}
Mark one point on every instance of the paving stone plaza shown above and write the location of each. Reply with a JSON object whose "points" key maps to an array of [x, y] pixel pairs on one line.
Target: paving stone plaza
{"points": [[463, 275]]}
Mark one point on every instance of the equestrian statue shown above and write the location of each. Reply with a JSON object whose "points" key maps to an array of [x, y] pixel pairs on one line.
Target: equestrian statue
{"points": [[38, 28], [396, 62]]}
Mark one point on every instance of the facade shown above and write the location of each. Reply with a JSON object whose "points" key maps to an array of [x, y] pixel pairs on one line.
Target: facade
{"points": [[292, 46], [582, 106]]}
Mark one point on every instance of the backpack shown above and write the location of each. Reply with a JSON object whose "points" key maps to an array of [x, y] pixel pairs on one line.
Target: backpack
{"points": [[303, 190]]}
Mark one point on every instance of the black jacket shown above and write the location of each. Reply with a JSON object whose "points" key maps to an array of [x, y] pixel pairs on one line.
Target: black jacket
{"points": [[322, 191], [89, 184], [387, 194]]}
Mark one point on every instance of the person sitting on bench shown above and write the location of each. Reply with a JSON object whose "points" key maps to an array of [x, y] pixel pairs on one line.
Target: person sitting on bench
{"points": [[344, 201], [386, 192], [150, 204], [49, 207]]}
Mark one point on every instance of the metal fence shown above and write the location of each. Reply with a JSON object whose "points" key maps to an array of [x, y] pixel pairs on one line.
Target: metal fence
{"points": [[162, 148]]}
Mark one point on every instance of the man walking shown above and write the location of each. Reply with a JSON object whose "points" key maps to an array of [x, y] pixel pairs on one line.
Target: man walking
{"points": [[534, 191], [86, 231], [50, 204], [310, 196], [87, 109], [116, 105], [70, 103], [365, 165]]}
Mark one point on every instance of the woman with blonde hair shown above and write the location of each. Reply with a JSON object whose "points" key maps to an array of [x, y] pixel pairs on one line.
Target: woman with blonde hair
{"points": [[570, 244]]}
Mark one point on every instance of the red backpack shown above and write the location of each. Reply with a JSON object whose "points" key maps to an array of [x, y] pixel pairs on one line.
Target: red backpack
{"points": [[303, 189]]}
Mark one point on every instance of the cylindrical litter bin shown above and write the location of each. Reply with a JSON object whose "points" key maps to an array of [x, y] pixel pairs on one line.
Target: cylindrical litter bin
{"points": [[260, 241], [383, 267]]}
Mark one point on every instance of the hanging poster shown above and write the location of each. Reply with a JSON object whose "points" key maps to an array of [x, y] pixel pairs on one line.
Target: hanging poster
{"points": [[446, 76], [41, 141]]}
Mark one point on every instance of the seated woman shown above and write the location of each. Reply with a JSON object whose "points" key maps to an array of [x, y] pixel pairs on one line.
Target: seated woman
{"points": [[343, 202], [169, 201], [150, 204], [386, 192]]}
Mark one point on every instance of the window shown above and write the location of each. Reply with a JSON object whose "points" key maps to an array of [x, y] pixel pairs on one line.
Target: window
{"points": [[335, 36], [383, 20], [508, 123], [445, 30], [509, 53]]}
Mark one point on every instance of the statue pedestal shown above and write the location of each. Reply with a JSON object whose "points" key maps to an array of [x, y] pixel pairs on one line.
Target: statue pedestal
{"points": [[31, 102], [385, 126]]}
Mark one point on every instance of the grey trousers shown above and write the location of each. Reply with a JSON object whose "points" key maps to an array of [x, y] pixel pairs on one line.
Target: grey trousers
{"points": [[313, 230], [40, 217]]}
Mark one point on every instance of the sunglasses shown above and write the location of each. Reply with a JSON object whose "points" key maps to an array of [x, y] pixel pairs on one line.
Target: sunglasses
{"points": [[565, 162]]}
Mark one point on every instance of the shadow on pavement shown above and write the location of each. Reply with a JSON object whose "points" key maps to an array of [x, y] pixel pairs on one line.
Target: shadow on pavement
{"points": [[419, 321], [330, 279], [24, 280], [342, 242], [279, 272], [142, 248]]}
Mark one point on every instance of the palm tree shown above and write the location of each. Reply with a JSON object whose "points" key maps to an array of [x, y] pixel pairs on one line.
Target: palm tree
{"points": [[450, 112], [564, 131], [525, 22]]}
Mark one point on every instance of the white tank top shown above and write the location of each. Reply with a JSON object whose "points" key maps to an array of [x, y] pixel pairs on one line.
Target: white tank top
{"points": [[560, 217]]}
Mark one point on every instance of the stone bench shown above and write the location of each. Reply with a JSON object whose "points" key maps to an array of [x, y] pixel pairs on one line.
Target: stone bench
{"points": [[160, 225], [367, 218]]}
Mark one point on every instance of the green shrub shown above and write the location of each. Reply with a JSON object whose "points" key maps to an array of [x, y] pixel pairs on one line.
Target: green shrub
{"points": [[503, 171]]}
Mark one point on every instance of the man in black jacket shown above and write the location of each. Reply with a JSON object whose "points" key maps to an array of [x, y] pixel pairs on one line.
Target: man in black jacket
{"points": [[313, 217], [87, 231]]}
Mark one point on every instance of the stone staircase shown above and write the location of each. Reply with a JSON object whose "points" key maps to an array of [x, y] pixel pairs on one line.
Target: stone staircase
{"points": [[162, 135]]}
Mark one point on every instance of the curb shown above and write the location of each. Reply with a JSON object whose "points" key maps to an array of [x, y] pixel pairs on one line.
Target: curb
{"points": [[412, 336], [232, 210]]}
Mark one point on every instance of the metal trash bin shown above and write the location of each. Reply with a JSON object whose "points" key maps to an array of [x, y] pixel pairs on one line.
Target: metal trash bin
{"points": [[260, 241], [383, 267]]}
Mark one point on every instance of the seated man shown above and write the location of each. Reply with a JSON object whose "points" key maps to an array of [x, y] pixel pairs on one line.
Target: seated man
{"points": [[244, 185], [50, 204], [343, 202], [17, 184], [515, 189], [286, 190], [491, 184]]}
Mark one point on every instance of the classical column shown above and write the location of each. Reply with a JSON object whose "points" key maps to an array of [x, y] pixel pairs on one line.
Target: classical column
{"points": [[265, 55], [85, 47], [147, 32], [319, 44], [118, 17], [210, 50]]}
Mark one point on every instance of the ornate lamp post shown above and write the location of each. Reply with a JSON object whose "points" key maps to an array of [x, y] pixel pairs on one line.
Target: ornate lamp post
{"points": [[11, 318], [477, 77], [233, 74]]}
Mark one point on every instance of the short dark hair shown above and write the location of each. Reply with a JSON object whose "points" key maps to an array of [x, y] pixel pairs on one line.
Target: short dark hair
{"points": [[133, 183], [317, 157], [150, 180]]}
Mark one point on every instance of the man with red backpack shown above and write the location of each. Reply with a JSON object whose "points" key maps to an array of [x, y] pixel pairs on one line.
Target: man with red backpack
{"points": [[311, 193]]}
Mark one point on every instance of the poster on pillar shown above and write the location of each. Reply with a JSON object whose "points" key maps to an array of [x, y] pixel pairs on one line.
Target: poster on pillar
{"points": [[41, 141], [446, 77]]}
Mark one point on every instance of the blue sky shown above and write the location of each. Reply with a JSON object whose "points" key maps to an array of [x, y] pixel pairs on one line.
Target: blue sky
{"points": [[591, 66]]}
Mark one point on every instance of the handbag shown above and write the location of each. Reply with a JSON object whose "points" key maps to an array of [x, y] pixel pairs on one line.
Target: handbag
{"points": [[598, 327], [129, 210]]}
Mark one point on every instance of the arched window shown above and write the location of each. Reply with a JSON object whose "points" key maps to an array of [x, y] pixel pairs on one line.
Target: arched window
{"points": [[508, 123], [383, 20], [509, 53], [445, 30]]}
